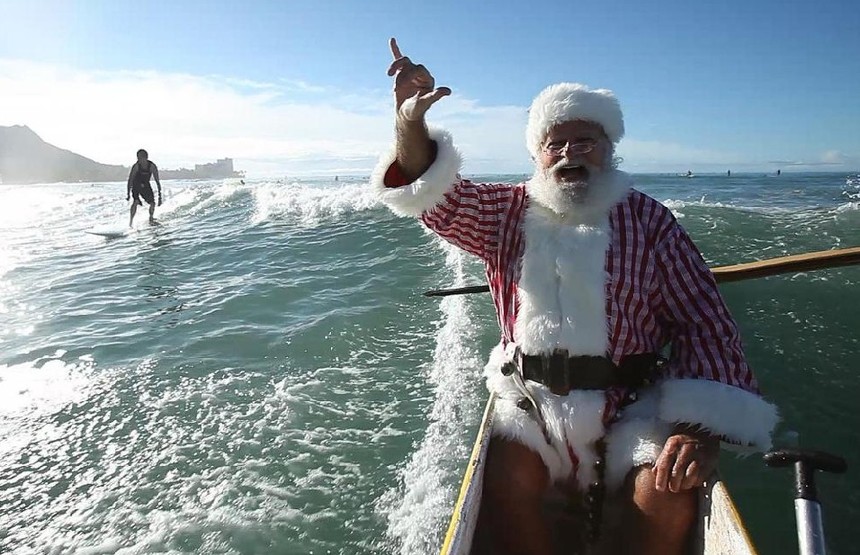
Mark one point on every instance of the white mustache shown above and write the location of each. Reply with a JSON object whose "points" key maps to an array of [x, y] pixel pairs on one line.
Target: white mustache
{"points": [[573, 163], [564, 164]]}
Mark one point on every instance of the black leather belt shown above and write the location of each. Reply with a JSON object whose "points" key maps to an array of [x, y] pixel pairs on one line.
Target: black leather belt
{"points": [[563, 373]]}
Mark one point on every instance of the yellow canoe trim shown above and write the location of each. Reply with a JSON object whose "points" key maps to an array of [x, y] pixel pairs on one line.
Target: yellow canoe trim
{"points": [[474, 463]]}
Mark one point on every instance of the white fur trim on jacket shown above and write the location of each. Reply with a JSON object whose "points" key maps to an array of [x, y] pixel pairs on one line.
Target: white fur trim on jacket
{"points": [[426, 191], [636, 439], [737, 415], [572, 101], [562, 288], [562, 291], [575, 419], [638, 435]]}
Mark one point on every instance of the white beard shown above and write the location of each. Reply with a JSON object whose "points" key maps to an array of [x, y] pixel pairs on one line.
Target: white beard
{"points": [[580, 202]]}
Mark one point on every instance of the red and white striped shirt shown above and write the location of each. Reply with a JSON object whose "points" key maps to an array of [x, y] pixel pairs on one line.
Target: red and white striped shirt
{"points": [[659, 289]]}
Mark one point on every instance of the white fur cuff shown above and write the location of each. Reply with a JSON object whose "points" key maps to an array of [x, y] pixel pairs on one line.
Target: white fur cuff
{"points": [[727, 411], [428, 190]]}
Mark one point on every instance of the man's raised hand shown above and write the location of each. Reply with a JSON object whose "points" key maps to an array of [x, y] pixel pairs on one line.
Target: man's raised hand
{"points": [[414, 90]]}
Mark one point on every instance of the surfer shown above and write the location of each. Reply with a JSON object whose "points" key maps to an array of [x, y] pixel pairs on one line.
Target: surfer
{"points": [[591, 281], [138, 186]]}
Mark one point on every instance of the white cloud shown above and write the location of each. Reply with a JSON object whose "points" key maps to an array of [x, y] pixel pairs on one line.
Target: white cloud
{"points": [[184, 119], [662, 156], [834, 157], [831, 160], [272, 128]]}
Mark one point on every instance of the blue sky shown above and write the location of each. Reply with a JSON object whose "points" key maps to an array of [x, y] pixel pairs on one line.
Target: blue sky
{"points": [[300, 87]]}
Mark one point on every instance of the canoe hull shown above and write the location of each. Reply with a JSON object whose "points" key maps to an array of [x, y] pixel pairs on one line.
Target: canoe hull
{"points": [[720, 529]]}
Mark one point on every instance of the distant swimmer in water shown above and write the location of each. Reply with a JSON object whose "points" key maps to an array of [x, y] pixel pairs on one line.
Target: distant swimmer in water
{"points": [[729, 173], [778, 172], [138, 185]]}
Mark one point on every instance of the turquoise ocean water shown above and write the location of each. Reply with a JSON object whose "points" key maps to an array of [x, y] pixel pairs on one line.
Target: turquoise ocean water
{"points": [[260, 374]]}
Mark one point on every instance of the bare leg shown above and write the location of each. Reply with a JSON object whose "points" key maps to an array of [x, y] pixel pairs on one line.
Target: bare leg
{"points": [[659, 523], [133, 212], [152, 213], [511, 520]]}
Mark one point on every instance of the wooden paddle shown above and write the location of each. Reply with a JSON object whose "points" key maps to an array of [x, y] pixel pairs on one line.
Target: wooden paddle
{"points": [[723, 274]]}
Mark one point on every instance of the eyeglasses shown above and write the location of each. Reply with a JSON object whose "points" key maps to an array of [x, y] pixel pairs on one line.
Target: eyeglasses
{"points": [[557, 148]]}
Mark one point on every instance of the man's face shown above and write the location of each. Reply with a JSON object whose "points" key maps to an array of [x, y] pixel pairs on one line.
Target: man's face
{"points": [[573, 151], [141, 157]]}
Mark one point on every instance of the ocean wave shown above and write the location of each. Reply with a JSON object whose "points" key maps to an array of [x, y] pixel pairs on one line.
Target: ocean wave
{"points": [[174, 467], [308, 205], [852, 189], [847, 207], [34, 207], [31, 395], [782, 212], [42, 386], [679, 204], [418, 509], [219, 195], [9, 260], [176, 200]]}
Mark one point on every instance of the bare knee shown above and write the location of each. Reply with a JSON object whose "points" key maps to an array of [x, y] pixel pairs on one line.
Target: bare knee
{"points": [[511, 519], [659, 521], [678, 509], [514, 471]]}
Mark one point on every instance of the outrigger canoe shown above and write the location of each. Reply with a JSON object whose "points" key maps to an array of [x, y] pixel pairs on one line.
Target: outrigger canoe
{"points": [[720, 528]]}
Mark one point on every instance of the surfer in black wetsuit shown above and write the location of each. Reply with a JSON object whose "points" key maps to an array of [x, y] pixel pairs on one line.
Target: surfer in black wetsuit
{"points": [[138, 185]]}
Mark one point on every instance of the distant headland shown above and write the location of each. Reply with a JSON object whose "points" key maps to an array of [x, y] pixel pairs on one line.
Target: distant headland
{"points": [[26, 158]]}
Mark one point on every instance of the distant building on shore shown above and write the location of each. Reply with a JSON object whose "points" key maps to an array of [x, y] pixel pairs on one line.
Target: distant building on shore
{"points": [[214, 170], [218, 169]]}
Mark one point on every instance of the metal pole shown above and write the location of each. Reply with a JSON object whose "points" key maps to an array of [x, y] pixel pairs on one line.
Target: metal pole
{"points": [[807, 509], [810, 529]]}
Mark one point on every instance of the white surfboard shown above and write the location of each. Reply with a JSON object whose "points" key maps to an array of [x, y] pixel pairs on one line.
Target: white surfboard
{"points": [[109, 232]]}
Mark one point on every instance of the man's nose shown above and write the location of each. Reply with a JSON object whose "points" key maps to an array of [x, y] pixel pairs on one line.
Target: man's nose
{"points": [[568, 153]]}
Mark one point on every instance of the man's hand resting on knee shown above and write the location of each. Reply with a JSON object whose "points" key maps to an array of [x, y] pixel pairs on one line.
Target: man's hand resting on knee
{"points": [[688, 458]]}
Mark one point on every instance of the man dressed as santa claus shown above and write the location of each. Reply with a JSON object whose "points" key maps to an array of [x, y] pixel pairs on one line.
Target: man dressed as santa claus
{"points": [[592, 283]]}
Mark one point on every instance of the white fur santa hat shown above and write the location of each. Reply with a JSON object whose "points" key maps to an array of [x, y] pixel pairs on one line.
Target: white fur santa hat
{"points": [[572, 101]]}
